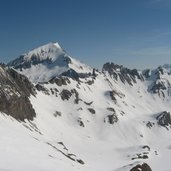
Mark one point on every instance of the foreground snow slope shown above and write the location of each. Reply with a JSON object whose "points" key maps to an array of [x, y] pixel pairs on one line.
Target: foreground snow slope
{"points": [[100, 144], [88, 120], [47, 142]]}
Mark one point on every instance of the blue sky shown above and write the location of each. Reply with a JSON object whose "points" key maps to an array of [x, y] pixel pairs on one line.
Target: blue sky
{"points": [[135, 33]]}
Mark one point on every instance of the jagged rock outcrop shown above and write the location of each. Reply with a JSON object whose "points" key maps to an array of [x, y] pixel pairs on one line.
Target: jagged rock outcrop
{"points": [[71, 73], [159, 81], [146, 73], [164, 119], [40, 87], [125, 74], [15, 90], [60, 81], [114, 94], [112, 118], [143, 167], [157, 86], [20, 63], [65, 94], [80, 122], [91, 110]]}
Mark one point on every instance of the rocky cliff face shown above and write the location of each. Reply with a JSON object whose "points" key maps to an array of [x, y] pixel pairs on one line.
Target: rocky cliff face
{"points": [[122, 73], [15, 90], [143, 167]]}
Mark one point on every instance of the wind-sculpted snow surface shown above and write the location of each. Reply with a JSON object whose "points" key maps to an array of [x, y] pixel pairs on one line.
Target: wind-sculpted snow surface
{"points": [[114, 120]]}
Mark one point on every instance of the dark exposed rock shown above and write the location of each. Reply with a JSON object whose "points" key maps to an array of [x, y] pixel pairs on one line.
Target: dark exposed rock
{"points": [[140, 156], [14, 94], [113, 95], [91, 110], [156, 153], [57, 113], [164, 119], [18, 107], [21, 82], [60, 81], [64, 147], [90, 82], [157, 86], [125, 74], [122, 113], [150, 124], [94, 72], [125, 78], [81, 123], [112, 118], [160, 69], [143, 167], [65, 94], [84, 75], [74, 75], [146, 147], [80, 161], [159, 83], [66, 154], [54, 91], [2, 65], [77, 99], [111, 109], [20, 63], [146, 73], [111, 67], [40, 87], [118, 94], [71, 73], [134, 73], [88, 103]]}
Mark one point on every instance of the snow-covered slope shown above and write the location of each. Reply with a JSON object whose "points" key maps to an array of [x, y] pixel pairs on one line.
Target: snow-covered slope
{"points": [[89, 120], [46, 62]]}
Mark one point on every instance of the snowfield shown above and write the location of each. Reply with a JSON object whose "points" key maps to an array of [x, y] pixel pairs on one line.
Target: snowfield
{"points": [[103, 121]]}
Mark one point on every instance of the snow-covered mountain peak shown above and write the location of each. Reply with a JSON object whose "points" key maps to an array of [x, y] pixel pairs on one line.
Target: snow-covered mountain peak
{"points": [[57, 45], [46, 62], [49, 51], [167, 67]]}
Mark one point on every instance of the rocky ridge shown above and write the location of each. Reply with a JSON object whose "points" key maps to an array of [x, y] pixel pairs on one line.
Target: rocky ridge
{"points": [[14, 94]]}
